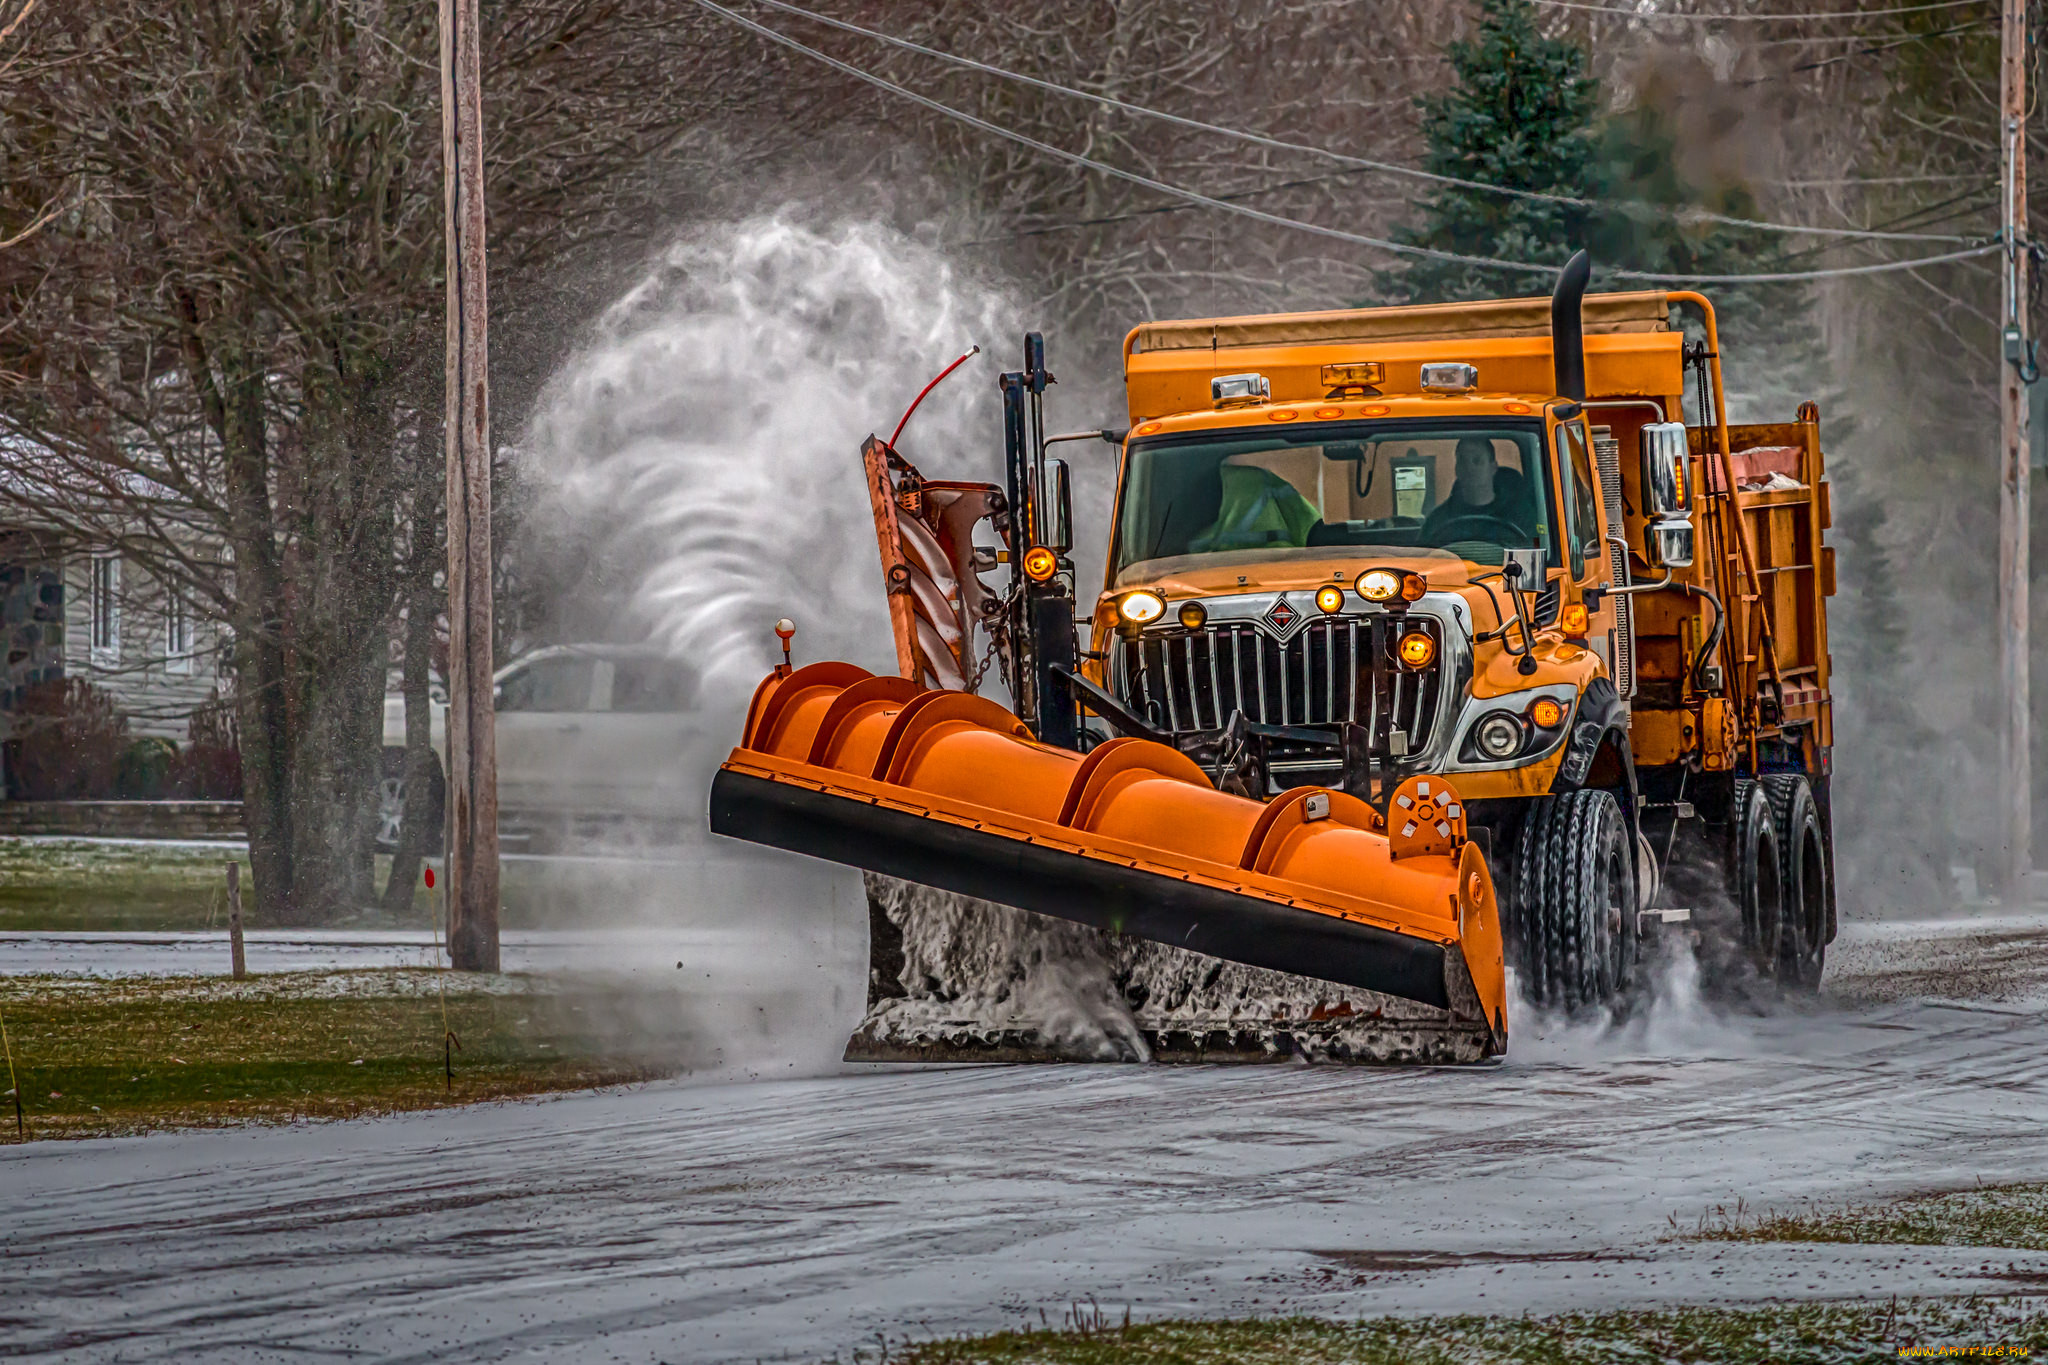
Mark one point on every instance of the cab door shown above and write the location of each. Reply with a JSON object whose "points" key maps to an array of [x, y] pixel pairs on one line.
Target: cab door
{"points": [[543, 704], [646, 735], [1592, 511]]}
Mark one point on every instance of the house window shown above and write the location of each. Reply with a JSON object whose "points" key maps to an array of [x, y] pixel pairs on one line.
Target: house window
{"points": [[106, 605], [177, 633]]}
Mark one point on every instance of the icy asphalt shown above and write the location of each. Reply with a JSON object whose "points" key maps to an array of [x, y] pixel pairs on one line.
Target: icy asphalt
{"points": [[784, 1208]]}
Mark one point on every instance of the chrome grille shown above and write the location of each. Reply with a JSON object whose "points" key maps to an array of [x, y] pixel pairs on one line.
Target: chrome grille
{"points": [[1193, 680]]}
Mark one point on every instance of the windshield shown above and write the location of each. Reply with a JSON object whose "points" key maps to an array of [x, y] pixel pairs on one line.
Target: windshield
{"points": [[1461, 490]]}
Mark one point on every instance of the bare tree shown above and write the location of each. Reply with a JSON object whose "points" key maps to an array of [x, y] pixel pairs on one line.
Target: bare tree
{"points": [[227, 338]]}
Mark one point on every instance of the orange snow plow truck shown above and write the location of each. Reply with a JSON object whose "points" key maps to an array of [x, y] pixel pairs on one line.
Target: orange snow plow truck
{"points": [[1401, 673]]}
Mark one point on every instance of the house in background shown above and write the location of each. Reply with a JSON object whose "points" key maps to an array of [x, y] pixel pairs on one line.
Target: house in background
{"points": [[105, 620]]}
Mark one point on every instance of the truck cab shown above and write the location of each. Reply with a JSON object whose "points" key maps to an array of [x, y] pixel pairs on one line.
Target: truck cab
{"points": [[1353, 547]]}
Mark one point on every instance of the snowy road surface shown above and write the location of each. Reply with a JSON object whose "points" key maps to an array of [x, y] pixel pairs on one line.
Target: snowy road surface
{"points": [[717, 1220]]}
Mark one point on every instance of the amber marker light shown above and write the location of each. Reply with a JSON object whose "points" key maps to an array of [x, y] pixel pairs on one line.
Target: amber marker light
{"points": [[1330, 599], [1141, 608], [1416, 650], [1149, 428], [1575, 620], [1413, 586], [1547, 714], [1374, 410], [1282, 415], [1040, 564], [1194, 615], [1327, 412], [1517, 408], [1378, 585]]}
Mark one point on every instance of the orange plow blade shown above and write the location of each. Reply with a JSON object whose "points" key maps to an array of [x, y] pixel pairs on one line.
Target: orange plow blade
{"points": [[949, 790]]}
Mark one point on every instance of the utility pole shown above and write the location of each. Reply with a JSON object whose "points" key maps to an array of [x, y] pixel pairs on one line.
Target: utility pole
{"points": [[472, 848], [2014, 523]]}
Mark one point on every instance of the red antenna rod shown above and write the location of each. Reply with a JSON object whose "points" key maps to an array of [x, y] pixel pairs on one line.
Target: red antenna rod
{"points": [[970, 353]]}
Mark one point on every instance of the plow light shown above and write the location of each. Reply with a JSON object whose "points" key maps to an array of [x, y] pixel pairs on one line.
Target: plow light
{"points": [[1194, 615], [1499, 735], [1141, 608], [1379, 585], [1416, 649], [1040, 564], [1547, 713], [1330, 599]]}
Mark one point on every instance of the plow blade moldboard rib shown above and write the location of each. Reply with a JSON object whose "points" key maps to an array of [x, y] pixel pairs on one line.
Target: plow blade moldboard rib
{"points": [[949, 790]]}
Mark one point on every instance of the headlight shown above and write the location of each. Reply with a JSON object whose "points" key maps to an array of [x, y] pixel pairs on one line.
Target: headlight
{"points": [[1194, 615], [1416, 650], [1499, 735], [1141, 608], [1378, 585], [1330, 599], [1040, 564]]}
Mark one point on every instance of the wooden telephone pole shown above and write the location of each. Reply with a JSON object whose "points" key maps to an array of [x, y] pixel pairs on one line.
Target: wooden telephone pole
{"points": [[472, 723], [2016, 767]]}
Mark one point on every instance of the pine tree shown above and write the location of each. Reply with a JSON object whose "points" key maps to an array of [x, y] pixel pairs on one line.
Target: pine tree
{"points": [[1520, 116], [1524, 114]]}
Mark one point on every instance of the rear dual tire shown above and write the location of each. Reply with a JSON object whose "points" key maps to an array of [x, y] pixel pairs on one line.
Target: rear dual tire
{"points": [[1575, 944], [1779, 873]]}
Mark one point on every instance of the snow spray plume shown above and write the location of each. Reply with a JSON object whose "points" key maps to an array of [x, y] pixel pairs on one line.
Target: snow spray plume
{"points": [[711, 430]]}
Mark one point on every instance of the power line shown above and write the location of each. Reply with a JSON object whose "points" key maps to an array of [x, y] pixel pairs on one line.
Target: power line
{"points": [[1278, 220], [1344, 158], [1696, 18]]}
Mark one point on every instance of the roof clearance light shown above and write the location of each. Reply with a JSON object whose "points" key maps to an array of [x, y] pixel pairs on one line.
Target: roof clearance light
{"points": [[1330, 599], [1450, 376], [1239, 390], [1141, 608], [1378, 585], [1040, 564]]}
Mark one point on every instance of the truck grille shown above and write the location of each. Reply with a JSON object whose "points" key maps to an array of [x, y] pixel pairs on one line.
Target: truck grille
{"points": [[1193, 680]]}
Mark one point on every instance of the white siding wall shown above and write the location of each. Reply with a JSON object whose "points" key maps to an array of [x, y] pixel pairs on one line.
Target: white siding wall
{"points": [[157, 691]]}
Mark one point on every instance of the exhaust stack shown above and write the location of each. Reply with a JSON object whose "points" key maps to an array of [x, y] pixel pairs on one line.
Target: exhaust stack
{"points": [[1567, 331]]}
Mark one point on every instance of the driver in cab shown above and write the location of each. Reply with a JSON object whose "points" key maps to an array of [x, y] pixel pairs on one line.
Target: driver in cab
{"points": [[1484, 502]]}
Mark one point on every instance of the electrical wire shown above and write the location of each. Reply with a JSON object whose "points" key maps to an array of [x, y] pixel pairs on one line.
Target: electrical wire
{"points": [[1345, 158], [1696, 18], [1316, 229]]}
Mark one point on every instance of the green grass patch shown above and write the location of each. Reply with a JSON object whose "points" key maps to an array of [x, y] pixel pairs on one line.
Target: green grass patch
{"points": [[101, 1057], [1819, 1333], [80, 884], [2007, 1216]]}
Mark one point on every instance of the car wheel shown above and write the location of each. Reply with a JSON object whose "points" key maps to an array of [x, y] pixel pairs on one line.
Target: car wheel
{"points": [[391, 789]]}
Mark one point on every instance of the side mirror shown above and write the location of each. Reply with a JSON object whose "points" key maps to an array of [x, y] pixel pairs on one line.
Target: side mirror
{"points": [[1059, 508], [1665, 452], [1667, 544]]}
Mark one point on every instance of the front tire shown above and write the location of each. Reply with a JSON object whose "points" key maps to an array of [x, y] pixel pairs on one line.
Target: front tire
{"points": [[1575, 896]]}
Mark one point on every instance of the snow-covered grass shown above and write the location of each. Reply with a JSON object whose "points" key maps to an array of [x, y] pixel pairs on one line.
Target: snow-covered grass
{"points": [[2005, 1216], [1815, 1333]]}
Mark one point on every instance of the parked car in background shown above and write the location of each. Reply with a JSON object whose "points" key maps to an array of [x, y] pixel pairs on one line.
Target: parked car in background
{"points": [[594, 742]]}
